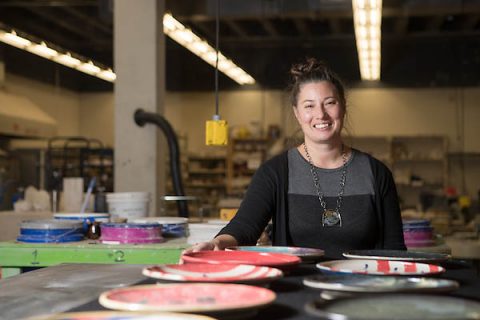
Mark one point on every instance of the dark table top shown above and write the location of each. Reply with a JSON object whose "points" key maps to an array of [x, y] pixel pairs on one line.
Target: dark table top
{"points": [[292, 295]]}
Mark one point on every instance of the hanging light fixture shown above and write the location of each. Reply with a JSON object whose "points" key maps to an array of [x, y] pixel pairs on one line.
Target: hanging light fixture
{"points": [[367, 17], [216, 132]]}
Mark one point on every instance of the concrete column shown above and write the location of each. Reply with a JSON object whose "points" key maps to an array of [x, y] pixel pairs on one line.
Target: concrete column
{"points": [[139, 55]]}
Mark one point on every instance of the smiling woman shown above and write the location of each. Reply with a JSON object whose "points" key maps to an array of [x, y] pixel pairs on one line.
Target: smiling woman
{"points": [[322, 193]]}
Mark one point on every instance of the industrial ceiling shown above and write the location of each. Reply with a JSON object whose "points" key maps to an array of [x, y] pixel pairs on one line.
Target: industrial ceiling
{"points": [[429, 43]]}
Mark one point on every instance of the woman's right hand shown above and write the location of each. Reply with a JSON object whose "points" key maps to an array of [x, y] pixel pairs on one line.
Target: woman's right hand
{"points": [[202, 246], [218, 243]]}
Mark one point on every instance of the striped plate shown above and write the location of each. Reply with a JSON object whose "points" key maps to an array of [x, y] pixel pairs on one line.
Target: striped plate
{"points": [[379, 267], [200, 272]]}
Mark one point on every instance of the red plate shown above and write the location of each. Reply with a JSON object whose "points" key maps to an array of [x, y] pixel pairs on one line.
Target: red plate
{"points": [[278, 260], [188, 297], [204, 272]]}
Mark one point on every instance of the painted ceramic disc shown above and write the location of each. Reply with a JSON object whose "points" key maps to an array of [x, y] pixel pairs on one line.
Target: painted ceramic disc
{"points": [[368, 283], [212, 273], [242, 257], [303, 253], [187, 297], [399, 255], [121, 315], [396, 306], [379, 267]]}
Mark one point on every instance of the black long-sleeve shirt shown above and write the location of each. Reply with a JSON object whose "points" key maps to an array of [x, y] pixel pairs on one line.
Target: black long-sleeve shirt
{"points": [[268, 198]]}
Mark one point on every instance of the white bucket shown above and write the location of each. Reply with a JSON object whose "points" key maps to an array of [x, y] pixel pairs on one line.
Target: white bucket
{"points": [[128, 205], [200, 232]]}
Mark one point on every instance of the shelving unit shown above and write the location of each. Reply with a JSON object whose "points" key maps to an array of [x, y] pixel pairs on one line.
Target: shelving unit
{"points": [[244, 157], [379, 147], [206, 180], [418, 163], [78, 157]]}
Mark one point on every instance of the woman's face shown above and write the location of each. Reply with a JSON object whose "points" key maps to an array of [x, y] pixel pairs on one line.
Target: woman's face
{"points": [[320, 112]]}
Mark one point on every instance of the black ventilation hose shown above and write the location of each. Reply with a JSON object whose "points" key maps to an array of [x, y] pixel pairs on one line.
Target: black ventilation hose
{"points": [[141, 118]]}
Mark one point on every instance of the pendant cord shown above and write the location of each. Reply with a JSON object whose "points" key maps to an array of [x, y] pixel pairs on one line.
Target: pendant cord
{"points": [[217, 36]]}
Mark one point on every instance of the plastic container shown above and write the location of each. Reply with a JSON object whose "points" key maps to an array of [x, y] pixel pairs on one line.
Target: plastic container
{"points": [[50, 231], [85, 218], [134, 233], [172, 227], [128, 205]]}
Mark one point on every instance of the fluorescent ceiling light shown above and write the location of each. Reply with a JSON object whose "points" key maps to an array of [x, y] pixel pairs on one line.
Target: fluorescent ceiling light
{"points": [[185, 37], [367, 17], [172, 28], [42, 50], [66, 59]]}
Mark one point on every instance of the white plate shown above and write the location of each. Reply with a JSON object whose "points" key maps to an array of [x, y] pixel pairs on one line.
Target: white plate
{"points": [[378, 267], [397, 255], [369, 283]]}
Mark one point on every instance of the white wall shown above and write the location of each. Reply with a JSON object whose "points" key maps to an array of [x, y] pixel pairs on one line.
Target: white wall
{"points": [[371, 112], [61, 104], [188, 112], [96, 117]]}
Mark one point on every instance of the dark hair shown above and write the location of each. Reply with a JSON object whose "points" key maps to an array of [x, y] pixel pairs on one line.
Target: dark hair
{"points": [[313, 70]]}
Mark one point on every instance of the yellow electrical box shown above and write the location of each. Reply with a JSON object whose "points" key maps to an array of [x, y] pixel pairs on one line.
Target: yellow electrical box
{"points": [[216, 133], [228, 213]]}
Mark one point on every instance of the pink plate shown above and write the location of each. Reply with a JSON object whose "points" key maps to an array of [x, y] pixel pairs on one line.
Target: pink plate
{"points": [[278, 260], [379, 267], [205, 272], [188, 297], [123, 315]]}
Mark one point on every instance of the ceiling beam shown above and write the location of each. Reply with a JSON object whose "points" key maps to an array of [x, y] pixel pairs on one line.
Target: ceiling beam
{"points": [[434, 23], [56, 21], [400, 25], [236, 28], [48, 3], [269, 27], [92, 22], [470, 22], [302, 26], [334, 24]]}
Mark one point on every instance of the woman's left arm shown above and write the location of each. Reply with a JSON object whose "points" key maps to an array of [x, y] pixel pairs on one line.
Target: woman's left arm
{"points": [[392, 219]]}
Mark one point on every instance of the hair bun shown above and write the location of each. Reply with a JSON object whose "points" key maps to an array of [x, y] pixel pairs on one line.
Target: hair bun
{"points": [[308, 68]]}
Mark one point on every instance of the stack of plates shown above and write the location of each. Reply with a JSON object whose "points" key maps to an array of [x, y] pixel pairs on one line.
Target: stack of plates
{"points": [[418, 233]]}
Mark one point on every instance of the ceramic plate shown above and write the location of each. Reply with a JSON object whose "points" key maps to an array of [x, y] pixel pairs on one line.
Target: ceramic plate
{"points": [[396, 306], [213, 273], [368, 283], [187, 297], [379, 267], [278, 260], [121, 315], [398, 255], [303, 253]]}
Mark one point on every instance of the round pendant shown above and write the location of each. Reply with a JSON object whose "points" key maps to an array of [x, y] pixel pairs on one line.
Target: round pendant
{"points": [[331, 218]]}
